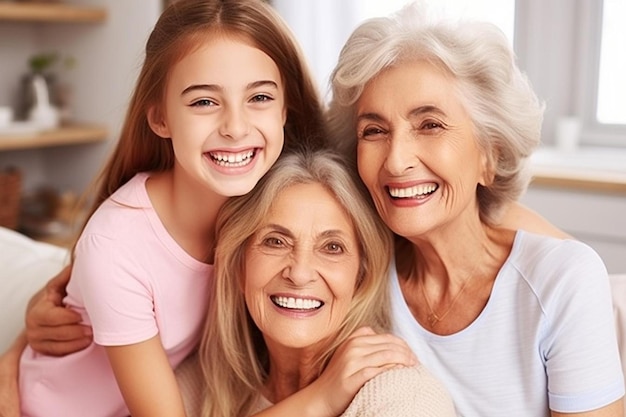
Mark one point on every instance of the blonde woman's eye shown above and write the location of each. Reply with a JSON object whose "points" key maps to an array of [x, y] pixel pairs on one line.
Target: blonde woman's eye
{"points": [[334, 247], [273, 242]]}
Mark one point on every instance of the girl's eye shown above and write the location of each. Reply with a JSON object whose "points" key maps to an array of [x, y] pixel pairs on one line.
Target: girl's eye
{"points": [[259, 98], [205, 102]]}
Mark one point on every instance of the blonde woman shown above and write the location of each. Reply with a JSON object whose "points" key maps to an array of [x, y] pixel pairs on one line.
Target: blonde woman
{"points": [[300, 269]]}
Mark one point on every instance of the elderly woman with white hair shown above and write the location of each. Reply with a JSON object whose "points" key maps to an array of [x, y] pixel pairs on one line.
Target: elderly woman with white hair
{"points": [[441, 122]]}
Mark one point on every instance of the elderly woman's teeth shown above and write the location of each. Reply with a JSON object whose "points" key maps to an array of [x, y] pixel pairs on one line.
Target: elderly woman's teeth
{"points": [[420, 190], [296, 303]]}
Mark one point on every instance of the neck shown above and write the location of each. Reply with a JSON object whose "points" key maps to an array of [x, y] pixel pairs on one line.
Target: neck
{"points": [[289, 373], [187, 210], [443, 271]]}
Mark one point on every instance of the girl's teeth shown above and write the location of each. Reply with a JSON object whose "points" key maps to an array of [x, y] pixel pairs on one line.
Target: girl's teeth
{"points": [[230, 159]]}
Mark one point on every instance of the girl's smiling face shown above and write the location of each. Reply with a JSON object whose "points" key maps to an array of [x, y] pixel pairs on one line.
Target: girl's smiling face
{"points": [[301, 268], [417, 152], [224, 112]]}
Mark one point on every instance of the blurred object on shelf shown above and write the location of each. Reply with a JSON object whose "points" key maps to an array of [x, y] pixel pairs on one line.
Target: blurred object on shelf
{"points": [[10, 197], [50, 216], [6, 116], [43, 113], [54, 69]]}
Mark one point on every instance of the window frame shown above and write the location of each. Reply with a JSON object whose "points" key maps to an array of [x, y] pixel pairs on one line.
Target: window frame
{"points": [[558, 46]]}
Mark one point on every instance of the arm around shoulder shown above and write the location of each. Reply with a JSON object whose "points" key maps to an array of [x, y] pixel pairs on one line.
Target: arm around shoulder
{"points": [[402, 392]]}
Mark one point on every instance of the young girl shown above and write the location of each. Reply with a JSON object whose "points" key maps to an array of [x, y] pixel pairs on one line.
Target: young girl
{"points": [[222, 88]]}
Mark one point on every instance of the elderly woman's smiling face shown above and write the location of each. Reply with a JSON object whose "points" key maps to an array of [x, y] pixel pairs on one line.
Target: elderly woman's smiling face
{"points": [[301, 268], [417, 153]]}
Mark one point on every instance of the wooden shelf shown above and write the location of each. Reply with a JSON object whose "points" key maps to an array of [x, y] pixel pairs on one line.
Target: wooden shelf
{"points": [[608, 182], [66, 135], [50, 12]]}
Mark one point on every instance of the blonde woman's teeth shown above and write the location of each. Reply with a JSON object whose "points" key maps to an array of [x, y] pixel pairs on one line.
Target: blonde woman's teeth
{"points": [[296, 303]]}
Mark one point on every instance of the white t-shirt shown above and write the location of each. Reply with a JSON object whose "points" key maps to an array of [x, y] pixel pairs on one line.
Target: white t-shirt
{"points": [[545, 340]]}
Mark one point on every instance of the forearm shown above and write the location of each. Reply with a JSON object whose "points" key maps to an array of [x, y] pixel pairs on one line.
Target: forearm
{"points": [[10, 359], [9, 378], [146, 379]]}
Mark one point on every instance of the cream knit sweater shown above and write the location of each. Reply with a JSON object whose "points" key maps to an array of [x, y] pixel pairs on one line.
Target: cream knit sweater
{"points": [[402, 392]]}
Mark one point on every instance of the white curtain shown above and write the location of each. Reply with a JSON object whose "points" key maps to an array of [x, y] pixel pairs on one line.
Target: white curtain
{"points": [[321, 27]]}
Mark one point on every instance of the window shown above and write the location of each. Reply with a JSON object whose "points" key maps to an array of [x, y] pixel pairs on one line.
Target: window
{"points": [[501, 13], [323, 26], [572, 55], [611, 108]]}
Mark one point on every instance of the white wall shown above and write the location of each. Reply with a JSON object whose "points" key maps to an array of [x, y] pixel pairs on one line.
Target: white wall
{"points": [[596, 218], [108, 56]]}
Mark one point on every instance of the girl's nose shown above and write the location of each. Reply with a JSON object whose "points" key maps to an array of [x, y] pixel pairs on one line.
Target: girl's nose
{"points": [[234, 124]]}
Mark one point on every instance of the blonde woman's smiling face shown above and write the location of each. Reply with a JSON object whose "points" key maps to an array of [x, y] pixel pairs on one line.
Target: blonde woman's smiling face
{"points": [[301, 268]]}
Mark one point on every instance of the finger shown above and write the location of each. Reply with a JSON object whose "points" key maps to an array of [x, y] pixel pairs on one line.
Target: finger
{"points": [[58, 334], [362, 331], [60, 280], [47, 315], [53, 348]]}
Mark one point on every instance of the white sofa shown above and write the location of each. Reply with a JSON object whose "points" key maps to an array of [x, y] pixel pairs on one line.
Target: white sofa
{"points": [[25, 265]]}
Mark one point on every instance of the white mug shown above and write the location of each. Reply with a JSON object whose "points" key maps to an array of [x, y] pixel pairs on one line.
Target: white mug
{"points": [[6, 116], [568, 133]]}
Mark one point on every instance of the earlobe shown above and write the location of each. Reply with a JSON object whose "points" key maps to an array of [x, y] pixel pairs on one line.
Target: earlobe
{"points": [[488, 162], [157, 123]]}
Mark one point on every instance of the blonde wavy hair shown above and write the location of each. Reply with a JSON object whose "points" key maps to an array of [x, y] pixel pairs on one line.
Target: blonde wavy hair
{"points": [[232, 352]]}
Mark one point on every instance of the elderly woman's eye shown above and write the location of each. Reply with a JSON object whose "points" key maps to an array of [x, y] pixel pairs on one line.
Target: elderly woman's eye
{"points": [[273, 242], [371, 133], [430, 125], [334, 247]]}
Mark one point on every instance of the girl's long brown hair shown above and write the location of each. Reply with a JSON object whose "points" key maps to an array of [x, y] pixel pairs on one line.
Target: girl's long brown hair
{"points": [[184, 26]]}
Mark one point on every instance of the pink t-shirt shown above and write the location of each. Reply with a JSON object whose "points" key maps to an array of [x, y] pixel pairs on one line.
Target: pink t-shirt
{"points": [[130, 281]]}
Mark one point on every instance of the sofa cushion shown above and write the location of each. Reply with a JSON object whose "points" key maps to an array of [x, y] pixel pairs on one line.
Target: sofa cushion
{"points": [[26, 267]]}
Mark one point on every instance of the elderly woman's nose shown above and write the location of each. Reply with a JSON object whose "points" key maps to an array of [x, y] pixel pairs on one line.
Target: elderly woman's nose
{"points": [[300, 268], [400, 153]]}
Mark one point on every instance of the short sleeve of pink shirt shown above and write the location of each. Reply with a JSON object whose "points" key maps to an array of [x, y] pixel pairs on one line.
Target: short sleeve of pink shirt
{"points": [[131, 280]]}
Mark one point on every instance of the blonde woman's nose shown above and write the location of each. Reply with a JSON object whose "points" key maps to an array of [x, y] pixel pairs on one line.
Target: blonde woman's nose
{"points": [[300, 269]]}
